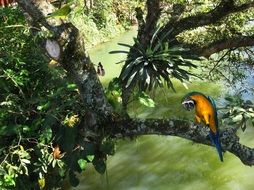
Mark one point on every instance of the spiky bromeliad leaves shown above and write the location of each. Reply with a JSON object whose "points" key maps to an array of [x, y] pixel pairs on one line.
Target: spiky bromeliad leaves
{"points": [[147, 67]]}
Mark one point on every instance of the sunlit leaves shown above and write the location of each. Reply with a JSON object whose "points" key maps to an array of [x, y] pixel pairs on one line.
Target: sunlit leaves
{"points": [[61, 13], [90, 158], [41, 182], [145, 99], [43, 106], [82, 164], [18, 78], [71, 120], [15, 163], [113, 94], [40, 109], [46, 135]]}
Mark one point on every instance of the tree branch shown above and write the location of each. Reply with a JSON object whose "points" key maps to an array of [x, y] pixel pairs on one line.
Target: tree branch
{"points": [[185, 129], [147, 29], [236, 42], [31, 7], [225, 8]]}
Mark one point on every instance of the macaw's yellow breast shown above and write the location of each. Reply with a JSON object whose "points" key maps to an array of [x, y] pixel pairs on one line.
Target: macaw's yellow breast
{"points": [[204, 110]]}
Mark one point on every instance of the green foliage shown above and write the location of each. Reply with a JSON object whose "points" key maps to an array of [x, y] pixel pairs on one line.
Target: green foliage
{"points": [[61, 13], [39, 111], [100, 165], [9, 171], [108, 147], [103, 19], [100, 12], [225, 66], [40, 115], [148, 65], [113, 94], [124, 10], [238, 112], [82, 164], [145, 99]]}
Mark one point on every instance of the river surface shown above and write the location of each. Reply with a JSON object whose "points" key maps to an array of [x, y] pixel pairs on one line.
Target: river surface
{"points": [[165, 162]]}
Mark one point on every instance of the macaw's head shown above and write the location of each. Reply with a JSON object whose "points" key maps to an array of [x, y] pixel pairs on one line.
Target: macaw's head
{"points": [[188, 103]]}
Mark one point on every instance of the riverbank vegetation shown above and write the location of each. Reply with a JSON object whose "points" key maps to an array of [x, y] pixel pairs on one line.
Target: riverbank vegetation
{"points": [[103, 19], [56, 117]]}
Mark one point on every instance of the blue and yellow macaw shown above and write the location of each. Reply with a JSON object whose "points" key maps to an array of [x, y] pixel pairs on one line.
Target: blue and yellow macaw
{"points": [[206, 112]]}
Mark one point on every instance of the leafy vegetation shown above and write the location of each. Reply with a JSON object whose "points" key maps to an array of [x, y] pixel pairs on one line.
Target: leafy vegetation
{"points": [[40, 113], [43, 120], [104, 19], [34, 103], [148, 67], [238, 112]]}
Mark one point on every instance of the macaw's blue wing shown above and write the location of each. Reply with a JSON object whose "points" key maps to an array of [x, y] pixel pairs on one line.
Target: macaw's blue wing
{"points": [[215, 138], [215, 111]]}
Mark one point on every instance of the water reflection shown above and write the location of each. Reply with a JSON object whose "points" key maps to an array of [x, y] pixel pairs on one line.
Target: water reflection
{"points": [[166, 163]]}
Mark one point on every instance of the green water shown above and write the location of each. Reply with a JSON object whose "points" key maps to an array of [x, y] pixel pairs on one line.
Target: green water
{"points": [[165, 162]]}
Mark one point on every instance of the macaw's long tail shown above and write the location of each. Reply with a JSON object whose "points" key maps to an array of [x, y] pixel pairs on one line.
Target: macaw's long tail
{"points": [[215, 138]]}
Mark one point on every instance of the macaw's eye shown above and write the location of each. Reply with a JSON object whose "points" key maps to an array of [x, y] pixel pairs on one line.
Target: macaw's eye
{"points": [[188, 104]]}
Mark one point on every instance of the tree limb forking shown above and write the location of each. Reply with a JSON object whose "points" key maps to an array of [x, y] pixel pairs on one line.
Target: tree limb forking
{"points": [[184, 129], [225, 8]]}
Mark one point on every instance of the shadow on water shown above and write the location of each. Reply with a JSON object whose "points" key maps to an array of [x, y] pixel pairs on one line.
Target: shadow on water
{"points": [[165, 163]]}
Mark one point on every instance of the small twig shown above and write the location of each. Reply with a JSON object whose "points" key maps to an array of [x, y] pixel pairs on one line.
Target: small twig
{"points": [[15, 83], [250, 50], [218, 62], [32, 140], [227, 79], [19, 139], [5, 158], [20, 26]]}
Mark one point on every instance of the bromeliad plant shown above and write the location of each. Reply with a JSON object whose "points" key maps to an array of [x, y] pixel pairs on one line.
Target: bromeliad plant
{"points": [[147, 66]]}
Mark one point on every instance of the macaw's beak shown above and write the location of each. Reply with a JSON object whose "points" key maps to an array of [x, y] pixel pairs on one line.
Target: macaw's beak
{"points": [[188, 104]]}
